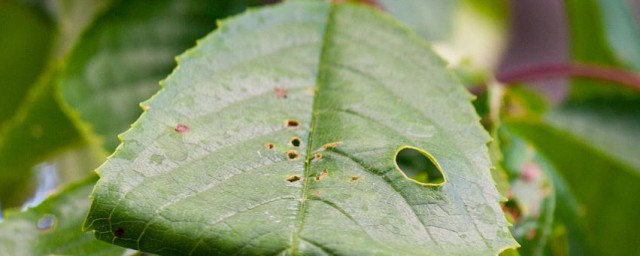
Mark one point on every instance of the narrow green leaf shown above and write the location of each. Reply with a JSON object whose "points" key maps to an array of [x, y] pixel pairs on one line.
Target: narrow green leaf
{"points": [[53, 228], [119, 61], [279, 134], [622, 31], [25, 42], [588, 37], [38, 131]]}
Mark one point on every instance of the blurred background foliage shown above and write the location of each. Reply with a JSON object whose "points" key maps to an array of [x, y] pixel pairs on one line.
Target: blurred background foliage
{"points": [[557, 87]]}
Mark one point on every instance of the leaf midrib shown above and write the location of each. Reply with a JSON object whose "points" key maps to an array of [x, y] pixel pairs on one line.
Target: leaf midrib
{"points": [[295, 240]]}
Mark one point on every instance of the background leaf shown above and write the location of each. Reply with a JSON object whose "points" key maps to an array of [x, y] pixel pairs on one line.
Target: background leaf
{"points": [[17, 69], [263, 141], [39, 130], [54, 227], [120, 60]]}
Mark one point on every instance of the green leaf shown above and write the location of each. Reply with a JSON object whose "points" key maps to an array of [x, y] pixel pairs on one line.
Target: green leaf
{"points": [[622, 31], [18, 70], [119, 61], [589, 44], [533, 197], [279, 134], [53, 228], [39, 129], [598, 180]]}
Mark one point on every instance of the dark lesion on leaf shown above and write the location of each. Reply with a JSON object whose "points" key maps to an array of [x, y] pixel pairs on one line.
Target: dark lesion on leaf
{"points": [[354, 178], [291, 123], [269, 146], [295, 141], [118, 232], [292, 154], [293, 178], [419, 166], [317, 156]]}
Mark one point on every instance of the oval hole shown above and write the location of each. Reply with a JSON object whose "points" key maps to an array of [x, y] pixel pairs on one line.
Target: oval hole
{"points": [[419, 166]]}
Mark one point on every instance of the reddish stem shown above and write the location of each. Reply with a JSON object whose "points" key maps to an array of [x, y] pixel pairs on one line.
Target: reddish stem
{"points": [[581, 70]]}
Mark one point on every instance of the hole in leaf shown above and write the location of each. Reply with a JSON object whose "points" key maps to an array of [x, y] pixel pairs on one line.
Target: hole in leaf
{"points": [[294, 178], [419, 166], [295, 141], [181, 128], [291, 123], [269, 146], [46, 222], [118, 232], [292, 154]]}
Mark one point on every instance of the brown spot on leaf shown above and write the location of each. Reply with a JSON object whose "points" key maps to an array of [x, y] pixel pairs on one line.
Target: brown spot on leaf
{"points": [[317, 156], [292, 154], [354, 178], [332, 145], [291, 123], [294, 178], [281, 92], [269, 146], [181, 128], [322, 175], [118, 232]]}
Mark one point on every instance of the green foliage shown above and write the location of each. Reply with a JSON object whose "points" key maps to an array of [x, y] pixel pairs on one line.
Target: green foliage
{"points": [[304, 79], [313, 127], [17, 69], [53, 227], [119, 61]]}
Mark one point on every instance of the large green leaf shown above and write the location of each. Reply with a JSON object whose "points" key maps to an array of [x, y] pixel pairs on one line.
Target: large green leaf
{"points": [[53, 228], [25, 49], [119, 61], [278, 134], [39, 129]]}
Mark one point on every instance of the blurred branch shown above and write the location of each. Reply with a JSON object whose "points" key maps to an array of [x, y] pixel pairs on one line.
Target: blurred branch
{"points": [[560, 70]]}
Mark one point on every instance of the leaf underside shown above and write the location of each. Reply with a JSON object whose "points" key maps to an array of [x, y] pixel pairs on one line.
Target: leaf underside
{"points": [[212, 166]]}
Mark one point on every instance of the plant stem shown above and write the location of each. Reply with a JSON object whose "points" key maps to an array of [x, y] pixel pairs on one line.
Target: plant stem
{"points": [[578, 70]]}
